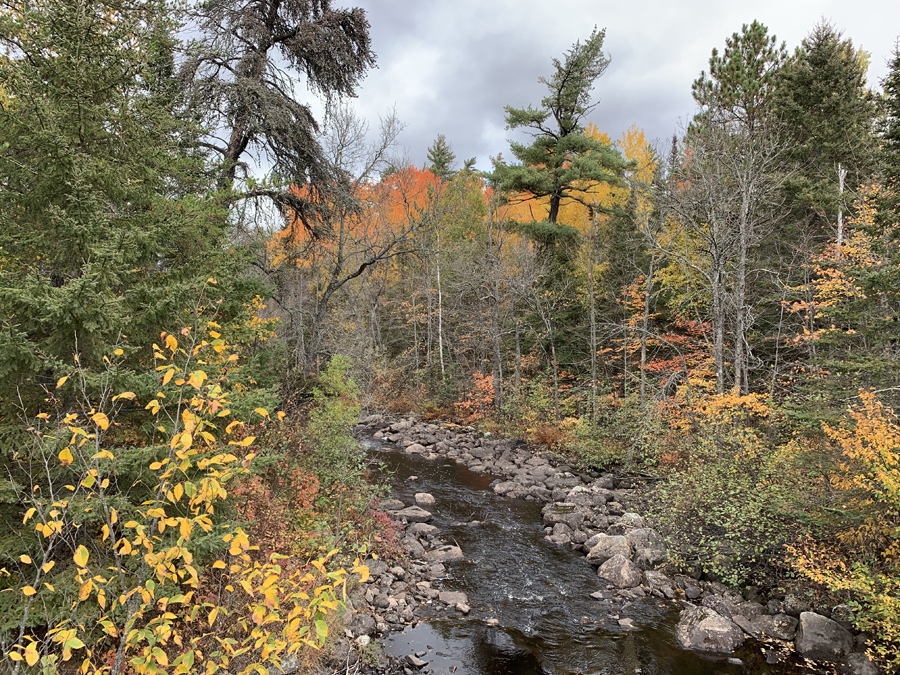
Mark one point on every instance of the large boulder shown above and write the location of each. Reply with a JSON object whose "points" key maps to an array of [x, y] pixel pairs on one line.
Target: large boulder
{"points": [[608, 546], [620, 572], [415, 449], [424, 499], [442, 554], [779, 626], [705, 630], [421, 529], [414, 514], [645, 537], [859, 664], [821, 639]]}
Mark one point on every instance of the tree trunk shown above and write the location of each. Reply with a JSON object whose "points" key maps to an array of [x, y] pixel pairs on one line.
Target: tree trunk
{"points": [[645, 326]]}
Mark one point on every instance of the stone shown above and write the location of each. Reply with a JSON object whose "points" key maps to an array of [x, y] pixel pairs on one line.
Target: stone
{"points": [[289, 664], [376, 567], [424, 499], [505, 487], [421, 529], [843, 615], [645, 537], [391, 505], [381, 601], [858, 664], [412, 546], [453, 598], [821, 639], [415, 661], [415, 449], [632, 520], [415, 514], [794, 606], [463, 608], [703, 629], [649, 558], [609, 546], [361, 624], [442, 554], [779, 626], [620, 571]]}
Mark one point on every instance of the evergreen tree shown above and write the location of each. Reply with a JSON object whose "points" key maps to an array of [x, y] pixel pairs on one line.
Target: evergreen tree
{"points": [[562, 156], [829, 117], [890, 126], [441, 158], [105, 235]]}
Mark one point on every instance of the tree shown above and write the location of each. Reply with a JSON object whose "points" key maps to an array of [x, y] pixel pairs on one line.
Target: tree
{"points": [[742, 81], [562, 155], [890, 126], [441, 158], [243, 72], [107, 230]]}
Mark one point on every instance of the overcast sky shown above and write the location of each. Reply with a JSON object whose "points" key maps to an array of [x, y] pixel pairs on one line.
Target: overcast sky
{"points": [[450, 67]]}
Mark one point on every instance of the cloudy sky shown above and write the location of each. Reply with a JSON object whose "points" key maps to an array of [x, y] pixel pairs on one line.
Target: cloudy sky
{"points": [[450, 67]]}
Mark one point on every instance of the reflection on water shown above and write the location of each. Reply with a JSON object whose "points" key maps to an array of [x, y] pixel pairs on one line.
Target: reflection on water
{"points": [[538, 594]]}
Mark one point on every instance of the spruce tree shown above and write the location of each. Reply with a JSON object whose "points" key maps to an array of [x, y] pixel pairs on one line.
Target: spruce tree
{"points": [[441, 158]]}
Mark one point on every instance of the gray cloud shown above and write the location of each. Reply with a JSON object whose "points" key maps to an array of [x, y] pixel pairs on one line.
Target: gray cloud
{"points": [[451, 67]]}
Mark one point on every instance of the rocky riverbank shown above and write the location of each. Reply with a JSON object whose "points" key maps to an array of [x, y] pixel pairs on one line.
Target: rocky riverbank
{"points": [[590, 512]]}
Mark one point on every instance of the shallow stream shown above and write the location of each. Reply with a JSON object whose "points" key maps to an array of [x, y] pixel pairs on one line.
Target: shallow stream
{"points": [[537, 593]]}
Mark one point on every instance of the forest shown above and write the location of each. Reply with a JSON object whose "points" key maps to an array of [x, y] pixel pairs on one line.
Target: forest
{"points": [[188, 333]]}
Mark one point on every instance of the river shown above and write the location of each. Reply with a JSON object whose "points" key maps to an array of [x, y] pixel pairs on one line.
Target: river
{"points": [[531, 606]]}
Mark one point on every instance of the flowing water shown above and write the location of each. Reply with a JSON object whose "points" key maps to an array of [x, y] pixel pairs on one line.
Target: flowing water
{"points": [[537, 593]]}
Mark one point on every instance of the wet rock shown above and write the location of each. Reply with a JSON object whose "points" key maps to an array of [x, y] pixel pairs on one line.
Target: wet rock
{"points": [[821, 639], [505, 487], [453, 597], [424, 499], [563, 512], [607, 547], [858, 664], [415, 661], [463, 608], [442, 554], [391, 504], [415, 514], [412, 546], [703, 629], [721, 605], [559, 539], [415, 449], [779, 626], [421, 529], [620, 571]]}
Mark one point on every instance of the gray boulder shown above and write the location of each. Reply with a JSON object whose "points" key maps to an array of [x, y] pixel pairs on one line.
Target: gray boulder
{"points": [[443, 554], [779, 626], [620, 572], [705, 630], [412, 546], [822, 639], [453, 598], [361, 624], [645, 537], [859, 664], [424, 499], [415, 449], [415, 514], [391, 504], [649, 558], [632, 520], [609, 546], [421, 529]]}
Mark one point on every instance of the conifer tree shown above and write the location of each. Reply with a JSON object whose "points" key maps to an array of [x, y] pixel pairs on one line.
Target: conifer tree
{"points": [[441, 158]]}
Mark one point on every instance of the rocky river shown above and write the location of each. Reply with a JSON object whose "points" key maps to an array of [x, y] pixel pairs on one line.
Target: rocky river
{"points": [[517, 563]]}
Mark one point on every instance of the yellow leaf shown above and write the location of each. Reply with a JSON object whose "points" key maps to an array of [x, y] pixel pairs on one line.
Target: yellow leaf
{"points": [[29, 591], [281, 415], [31, 654], [218, 565], [25, 559], [130, 395], [66, 457], [49, 587], [43, 416], [118, 352], [47, 566], [262, 411], [81, 556], [61, 381], [171, 343], [212, 615], [168, 376], [244, 443], [232, 425], [101, 420], [30, 512]]}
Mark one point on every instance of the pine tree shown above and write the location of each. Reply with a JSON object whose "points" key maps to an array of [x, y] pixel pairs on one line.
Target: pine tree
{"points": [[441, 158], [562, 155], [890, 126]]}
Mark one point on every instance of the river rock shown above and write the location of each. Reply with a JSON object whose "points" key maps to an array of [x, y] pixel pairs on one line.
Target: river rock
{"points": [[424, 499], [649, 558], [645, 537], [421, 529], [453, 598], [415, 449], [361, 624], [506, 487], [703, 629], [391, 505], [779, 626], [412, 546], [443, 554], [376, 568], [620, 571], [821, 639], [859, 664], [609, 546], [415, 514]]}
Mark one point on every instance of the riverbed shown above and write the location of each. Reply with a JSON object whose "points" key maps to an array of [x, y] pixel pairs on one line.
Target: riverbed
{"points": [[531, 606]]}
